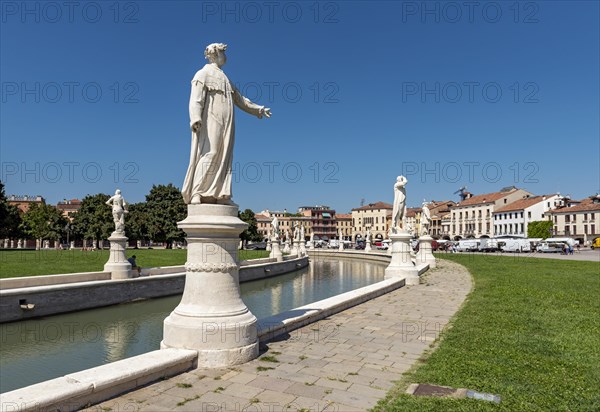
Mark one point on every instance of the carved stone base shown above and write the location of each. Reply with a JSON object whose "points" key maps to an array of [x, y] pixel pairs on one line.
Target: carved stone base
{"points": [[425, 255], [276, 250], [117, 263], [401, 264], [286, 246], [368, 246], [211, 317]]}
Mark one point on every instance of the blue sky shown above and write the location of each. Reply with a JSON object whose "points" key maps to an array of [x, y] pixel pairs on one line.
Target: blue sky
{"points": [[95, 96]]}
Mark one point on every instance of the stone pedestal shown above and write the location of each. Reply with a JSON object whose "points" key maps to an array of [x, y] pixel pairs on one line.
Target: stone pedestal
{"points": [[341, 245], [211, 317], [295, 249], [276, 250], [368, 246], [117, 263], [302, 246], [425, 255], [401, 264], [286, 246]]}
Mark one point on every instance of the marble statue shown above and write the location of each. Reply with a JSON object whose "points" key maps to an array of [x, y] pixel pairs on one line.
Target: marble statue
{"points": [[275, 227], [208, 178], [425, 219], [296, 232], [302, 233], [399, 207], [368, 235], [20, 244], [119, 208]]}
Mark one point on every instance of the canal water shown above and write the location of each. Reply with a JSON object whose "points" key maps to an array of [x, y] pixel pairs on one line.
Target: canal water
{"points": [[36, 350]]}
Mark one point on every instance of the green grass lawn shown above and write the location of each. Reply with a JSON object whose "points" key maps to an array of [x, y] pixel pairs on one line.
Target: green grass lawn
{"points": [[48, 262], [529, 332]]}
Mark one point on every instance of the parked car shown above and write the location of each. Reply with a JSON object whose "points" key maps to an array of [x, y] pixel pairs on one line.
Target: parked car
{"points": [[359, 246]]}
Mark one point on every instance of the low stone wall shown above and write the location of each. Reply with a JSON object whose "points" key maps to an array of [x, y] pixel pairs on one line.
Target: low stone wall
{"points": [[76, 390], [68, 297], [30, 281]]}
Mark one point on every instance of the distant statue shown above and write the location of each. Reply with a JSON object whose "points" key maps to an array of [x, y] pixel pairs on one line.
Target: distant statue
{"points": [[208, 178], [368, 235], [340, 233], [296, 231], [425, 219], [302, 233], [20, 244], [287, 235], [399, 209], [275, 227], [119, 208]]}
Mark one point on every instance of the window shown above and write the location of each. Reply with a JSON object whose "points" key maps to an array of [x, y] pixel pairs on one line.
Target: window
{"points": [[505, 216], [567, 219], [479, 227], [460, 215], [574, 218], [521, 214], [504, 201], [585, 229], [593, 229], [522, 227], [585, 216], [592, 216], [529, 214], [574, 229]]}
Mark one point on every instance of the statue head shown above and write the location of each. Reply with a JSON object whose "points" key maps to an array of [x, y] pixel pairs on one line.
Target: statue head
{"points": [[215, 53], [117, 192], [401, 180]]}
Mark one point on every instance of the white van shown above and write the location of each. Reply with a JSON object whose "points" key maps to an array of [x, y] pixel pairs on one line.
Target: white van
{"points": [[550, 247], [488, 245], [515, 245], [468, 245]]}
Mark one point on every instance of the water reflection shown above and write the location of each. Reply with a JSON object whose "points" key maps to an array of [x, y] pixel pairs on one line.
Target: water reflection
{"points": [[36, 350]]}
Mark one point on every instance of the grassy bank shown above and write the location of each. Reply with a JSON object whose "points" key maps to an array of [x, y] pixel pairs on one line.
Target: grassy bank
{"points": [[19, 263], [529, 332]]}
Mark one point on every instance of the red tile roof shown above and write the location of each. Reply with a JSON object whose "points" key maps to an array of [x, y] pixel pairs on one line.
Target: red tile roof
{"points": [[343, 216], [586, 205], [521, 204], [486, 198], [378, 205]]}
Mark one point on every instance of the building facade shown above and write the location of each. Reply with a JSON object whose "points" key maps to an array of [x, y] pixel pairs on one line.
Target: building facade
{"points": [[438, 211], [473, 217], [344, 224], [373, 217], [24, 202], [69, 208], [577, 220], [322, 221], [513, 219]]}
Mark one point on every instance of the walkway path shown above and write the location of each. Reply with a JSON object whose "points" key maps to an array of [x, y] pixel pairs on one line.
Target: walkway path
{"points": [[344, 363]]}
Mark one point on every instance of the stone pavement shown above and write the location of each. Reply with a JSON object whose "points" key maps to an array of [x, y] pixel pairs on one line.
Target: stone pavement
{"points": [[346, 362]]}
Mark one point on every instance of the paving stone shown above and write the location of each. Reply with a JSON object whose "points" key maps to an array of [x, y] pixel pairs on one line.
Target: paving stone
{"points": [[273, 384], [334, 382], [308, 391], [351, 399], [243, 377], [242, 391]]}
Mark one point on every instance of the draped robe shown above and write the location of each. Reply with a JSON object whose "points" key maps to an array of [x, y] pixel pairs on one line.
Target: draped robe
{"points": [[211, 104]]}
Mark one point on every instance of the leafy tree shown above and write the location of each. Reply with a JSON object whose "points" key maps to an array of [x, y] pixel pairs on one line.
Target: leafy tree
{"points": [[164, 208], [10, 218], [94, 219], [136, 222], [250, 233], [539, 229], [42, 221]]}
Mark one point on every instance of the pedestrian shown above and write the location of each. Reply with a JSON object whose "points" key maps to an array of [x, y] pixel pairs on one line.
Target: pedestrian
{"points": [[134, 265]]}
